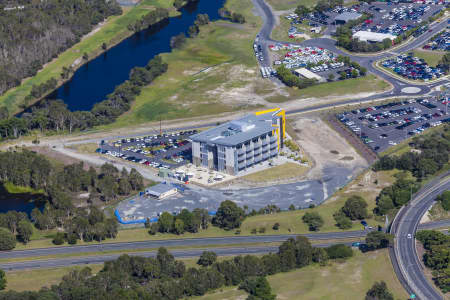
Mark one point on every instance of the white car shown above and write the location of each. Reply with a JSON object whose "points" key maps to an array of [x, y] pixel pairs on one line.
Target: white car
{"points": [[409, 236]]}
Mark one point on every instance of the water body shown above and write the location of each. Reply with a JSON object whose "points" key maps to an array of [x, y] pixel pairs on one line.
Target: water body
{"points": [[23, 202], [95, 80]]}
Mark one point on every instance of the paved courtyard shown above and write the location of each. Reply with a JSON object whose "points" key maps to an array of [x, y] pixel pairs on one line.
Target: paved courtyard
{"points": [[301, 194]]}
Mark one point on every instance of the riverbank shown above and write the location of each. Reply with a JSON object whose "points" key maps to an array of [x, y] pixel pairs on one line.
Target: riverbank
{"points": [[112, 31]]}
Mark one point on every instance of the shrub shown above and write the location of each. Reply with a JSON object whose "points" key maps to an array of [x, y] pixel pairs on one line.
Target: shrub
{"points": [[58, 239], [7, 239], [339, 251], [276, 226]]}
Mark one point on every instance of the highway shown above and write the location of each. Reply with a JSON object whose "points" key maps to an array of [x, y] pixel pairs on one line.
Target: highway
{"points": [[194, 242], [404, 255], [99, 259], [236, 245]]}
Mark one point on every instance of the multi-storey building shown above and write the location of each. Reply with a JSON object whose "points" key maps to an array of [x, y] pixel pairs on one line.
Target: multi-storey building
{"points": [[234, 146]]}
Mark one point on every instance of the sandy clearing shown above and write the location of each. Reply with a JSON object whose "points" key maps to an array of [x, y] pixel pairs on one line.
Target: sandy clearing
{"points": [[318, 140]]}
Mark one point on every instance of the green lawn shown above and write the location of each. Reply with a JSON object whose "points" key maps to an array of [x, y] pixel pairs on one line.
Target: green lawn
{"points": [[366, 84], [281, 172], [206, 65], [114, 31], [290, 4], [432, 58], [338, 281]]}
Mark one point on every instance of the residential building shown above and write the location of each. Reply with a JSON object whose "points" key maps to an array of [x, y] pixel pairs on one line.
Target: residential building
{"points": [[237, 145]]}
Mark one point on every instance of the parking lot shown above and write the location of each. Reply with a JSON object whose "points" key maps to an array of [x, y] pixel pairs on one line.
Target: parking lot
{"points": [[168, 150], [413, 68], [440, 42], [301, 56], [387, 17], [383, 126], [396, 19]]}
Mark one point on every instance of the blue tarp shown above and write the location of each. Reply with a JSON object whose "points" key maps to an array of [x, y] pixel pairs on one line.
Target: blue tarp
{"points": [[142, 221]]}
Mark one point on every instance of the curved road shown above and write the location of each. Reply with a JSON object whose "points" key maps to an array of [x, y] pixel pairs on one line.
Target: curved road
{"points": [[366, 61], [404, 255]]}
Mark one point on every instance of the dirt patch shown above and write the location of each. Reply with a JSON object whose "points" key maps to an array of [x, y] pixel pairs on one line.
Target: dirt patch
{"points": [[57, 156], [244, 87], [316, 138]]}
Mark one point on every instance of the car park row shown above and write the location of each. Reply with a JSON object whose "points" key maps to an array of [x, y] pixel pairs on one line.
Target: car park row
{"points": [[383, 126], [159, 151], [440, 42], [412, 67], [301, 56]]}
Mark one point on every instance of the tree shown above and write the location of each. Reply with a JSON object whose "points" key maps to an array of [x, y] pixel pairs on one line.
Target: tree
{"points": [[379, 291], [229, 215], [207, 258], [291, 207], [331, 77], [339, 251], [237, 18], [58, 239], [355, 208], [342, 221], [7, 239], [258, 288], [177, 41], [178, 227], [342, 75], [104, 46], [165, 222], [320, 256], [378, 239], [2, 280], [444, 199], [24, 230], [314, 220], [302, 10]]}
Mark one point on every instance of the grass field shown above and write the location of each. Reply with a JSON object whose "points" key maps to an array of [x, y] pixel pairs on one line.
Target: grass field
{"points": [[432, 58], [366, 84], [290, 4], [114, 31], [281, 172], [200, 72], [338, 281]]}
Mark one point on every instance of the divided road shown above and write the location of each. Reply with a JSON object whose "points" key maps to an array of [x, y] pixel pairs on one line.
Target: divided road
{"points": [[236, 246], [404, 255]]}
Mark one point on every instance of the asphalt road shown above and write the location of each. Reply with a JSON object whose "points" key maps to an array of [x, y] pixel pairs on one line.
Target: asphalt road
{"points": [[132, 247], [366, 61], [99, 259], [404, 255], [195, 242]]}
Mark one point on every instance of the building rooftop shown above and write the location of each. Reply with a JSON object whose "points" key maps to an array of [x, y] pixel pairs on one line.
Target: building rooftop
{"points": [[365, 36], [348, 16], [237, 131], [159, 189], [308, 74]]}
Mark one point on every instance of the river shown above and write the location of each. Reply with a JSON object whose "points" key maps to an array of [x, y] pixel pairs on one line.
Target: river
{"points": [[95, 80]]}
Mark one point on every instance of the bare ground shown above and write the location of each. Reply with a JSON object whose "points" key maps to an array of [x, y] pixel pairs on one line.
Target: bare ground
{"points": [[325, 146]]}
